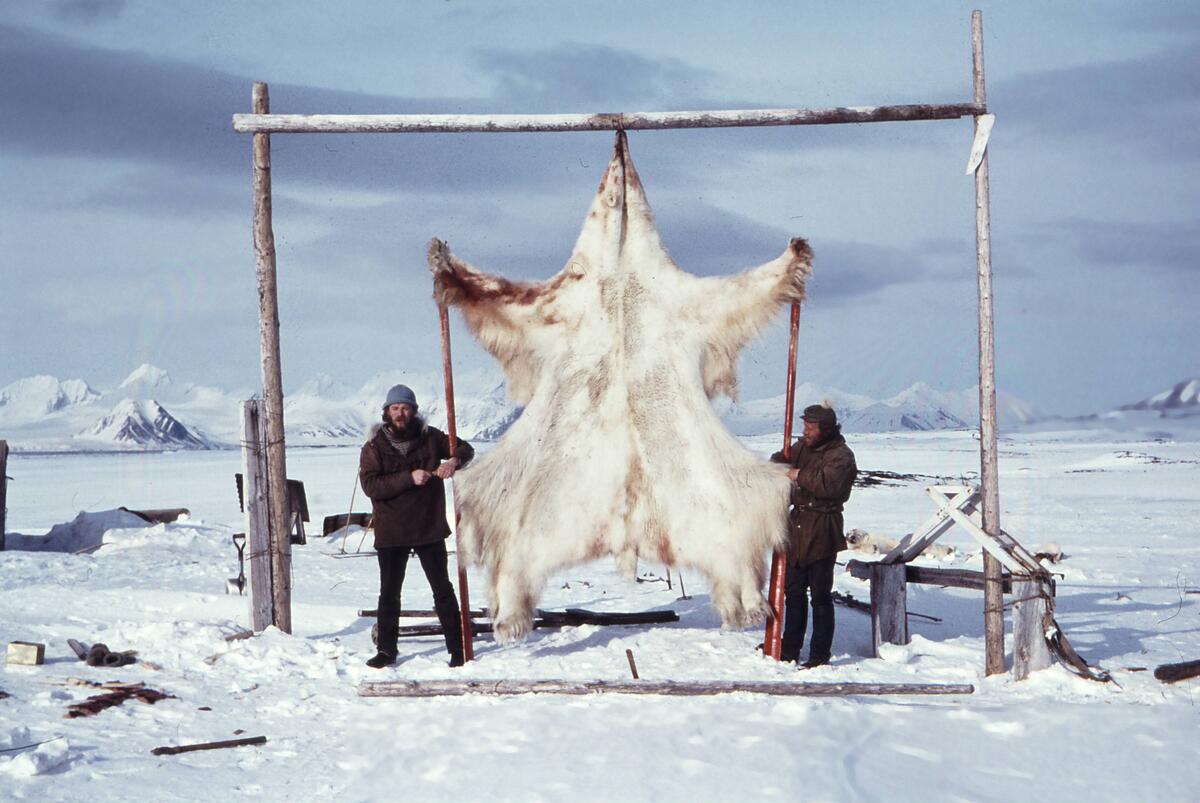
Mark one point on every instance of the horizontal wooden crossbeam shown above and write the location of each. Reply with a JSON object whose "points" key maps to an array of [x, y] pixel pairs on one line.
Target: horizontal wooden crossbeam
{"points": [[925, 575], [458, 688], [628, 121]]}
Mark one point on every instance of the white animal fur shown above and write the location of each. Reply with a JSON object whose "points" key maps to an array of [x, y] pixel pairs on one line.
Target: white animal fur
{"points": [[619, 451]]}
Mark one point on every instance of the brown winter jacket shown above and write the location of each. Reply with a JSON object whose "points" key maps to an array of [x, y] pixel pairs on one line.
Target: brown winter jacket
{"points": [[407, 514], [827, 473]]}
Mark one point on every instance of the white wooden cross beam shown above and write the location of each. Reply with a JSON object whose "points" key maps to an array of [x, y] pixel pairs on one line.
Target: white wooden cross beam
{"points": [[959, 504]]}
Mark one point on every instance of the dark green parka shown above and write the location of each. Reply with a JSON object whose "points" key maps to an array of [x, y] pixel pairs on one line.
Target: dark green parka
{"points": [[407, 514], [826, 477]]}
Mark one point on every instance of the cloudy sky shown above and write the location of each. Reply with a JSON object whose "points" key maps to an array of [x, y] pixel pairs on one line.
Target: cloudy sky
{"points": [[126, 230]]}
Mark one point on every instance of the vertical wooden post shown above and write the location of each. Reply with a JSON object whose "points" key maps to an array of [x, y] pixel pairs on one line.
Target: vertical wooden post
{"points": [[773, 639], [1030, 650], [993, 590], [272, 376], [258, 526], [889, 604], [3, 490], [464, 595]]}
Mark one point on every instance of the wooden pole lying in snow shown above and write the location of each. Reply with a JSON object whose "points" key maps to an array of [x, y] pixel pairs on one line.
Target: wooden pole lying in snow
{"points": [[464, 596], [993, 596], [278, 502], [773, 640], [629, 121], [458, 688]]}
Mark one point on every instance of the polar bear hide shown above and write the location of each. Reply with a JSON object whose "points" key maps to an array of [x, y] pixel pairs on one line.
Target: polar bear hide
{"points": [[619, 451]]}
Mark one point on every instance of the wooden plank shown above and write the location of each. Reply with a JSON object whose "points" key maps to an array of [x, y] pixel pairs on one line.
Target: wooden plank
{"points": [[189, 748], [889, 605], [258, 526], [264, 123], [1030, 611], [3, 490], [928, 575], [508, 687], [933, 528], [278, 502]]}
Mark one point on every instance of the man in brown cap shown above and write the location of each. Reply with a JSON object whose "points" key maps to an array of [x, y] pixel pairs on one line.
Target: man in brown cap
{"points": [[822, 475]]}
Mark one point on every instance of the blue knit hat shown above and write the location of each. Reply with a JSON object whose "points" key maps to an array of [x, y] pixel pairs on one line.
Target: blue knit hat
{"points": [[401, 394]]}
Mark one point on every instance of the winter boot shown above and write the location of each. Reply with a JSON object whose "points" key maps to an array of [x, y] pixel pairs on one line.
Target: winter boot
{"points": [[381, 660]]}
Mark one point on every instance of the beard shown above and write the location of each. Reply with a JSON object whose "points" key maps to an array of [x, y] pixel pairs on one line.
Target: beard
{"points": [[406, 431]]}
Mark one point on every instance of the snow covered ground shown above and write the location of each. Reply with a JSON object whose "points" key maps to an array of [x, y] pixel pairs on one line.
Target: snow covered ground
{"points": [[1122, 508]]}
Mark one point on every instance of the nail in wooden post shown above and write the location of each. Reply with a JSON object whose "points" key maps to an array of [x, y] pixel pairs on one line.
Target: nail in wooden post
{"points": [[278, 502]]}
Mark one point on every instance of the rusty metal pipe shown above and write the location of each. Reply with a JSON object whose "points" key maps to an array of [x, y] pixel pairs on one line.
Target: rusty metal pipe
{"points": [[773, 639], [464, 596]]}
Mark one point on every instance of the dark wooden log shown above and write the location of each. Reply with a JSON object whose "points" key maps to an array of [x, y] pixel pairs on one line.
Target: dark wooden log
{"points": [[188, 748], [632, 664], [337, 521], [456, 688], [416, 613], [164, 515], [572, 617], [263, 123], [1173, 673], [925, 575]]}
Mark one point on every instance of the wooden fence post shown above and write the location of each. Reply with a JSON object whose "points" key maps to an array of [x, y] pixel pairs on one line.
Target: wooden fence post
{"points": [[889, 604], [993, 597], [1030, 651], [258, 520], [3, 490], [271, 410]]}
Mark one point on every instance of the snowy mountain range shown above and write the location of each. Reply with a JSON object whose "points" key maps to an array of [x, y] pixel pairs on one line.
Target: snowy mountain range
{"points": [[150, 411]]}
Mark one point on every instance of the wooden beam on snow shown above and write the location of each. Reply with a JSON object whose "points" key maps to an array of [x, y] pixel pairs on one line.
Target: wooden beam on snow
{"points": [[458, 688]]}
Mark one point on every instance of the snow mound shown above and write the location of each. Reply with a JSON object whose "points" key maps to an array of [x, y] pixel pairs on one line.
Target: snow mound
{"points": [[36, 759], [86, 531]]}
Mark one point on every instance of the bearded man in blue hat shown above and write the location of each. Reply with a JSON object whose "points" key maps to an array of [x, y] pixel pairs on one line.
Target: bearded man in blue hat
{"points": [[402, 468]]}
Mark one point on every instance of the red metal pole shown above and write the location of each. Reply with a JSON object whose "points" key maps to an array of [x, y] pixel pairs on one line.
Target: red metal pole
{"points": [[464, 596], [773, 640]]}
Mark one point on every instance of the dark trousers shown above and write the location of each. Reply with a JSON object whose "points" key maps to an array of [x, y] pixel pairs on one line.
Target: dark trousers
{"points": [[815, 579], [392, 563]]}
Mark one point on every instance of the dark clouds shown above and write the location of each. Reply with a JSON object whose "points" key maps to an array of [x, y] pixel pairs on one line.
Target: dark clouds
{"points": [[1148, 106], [1167, 247], [87, 11]]}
